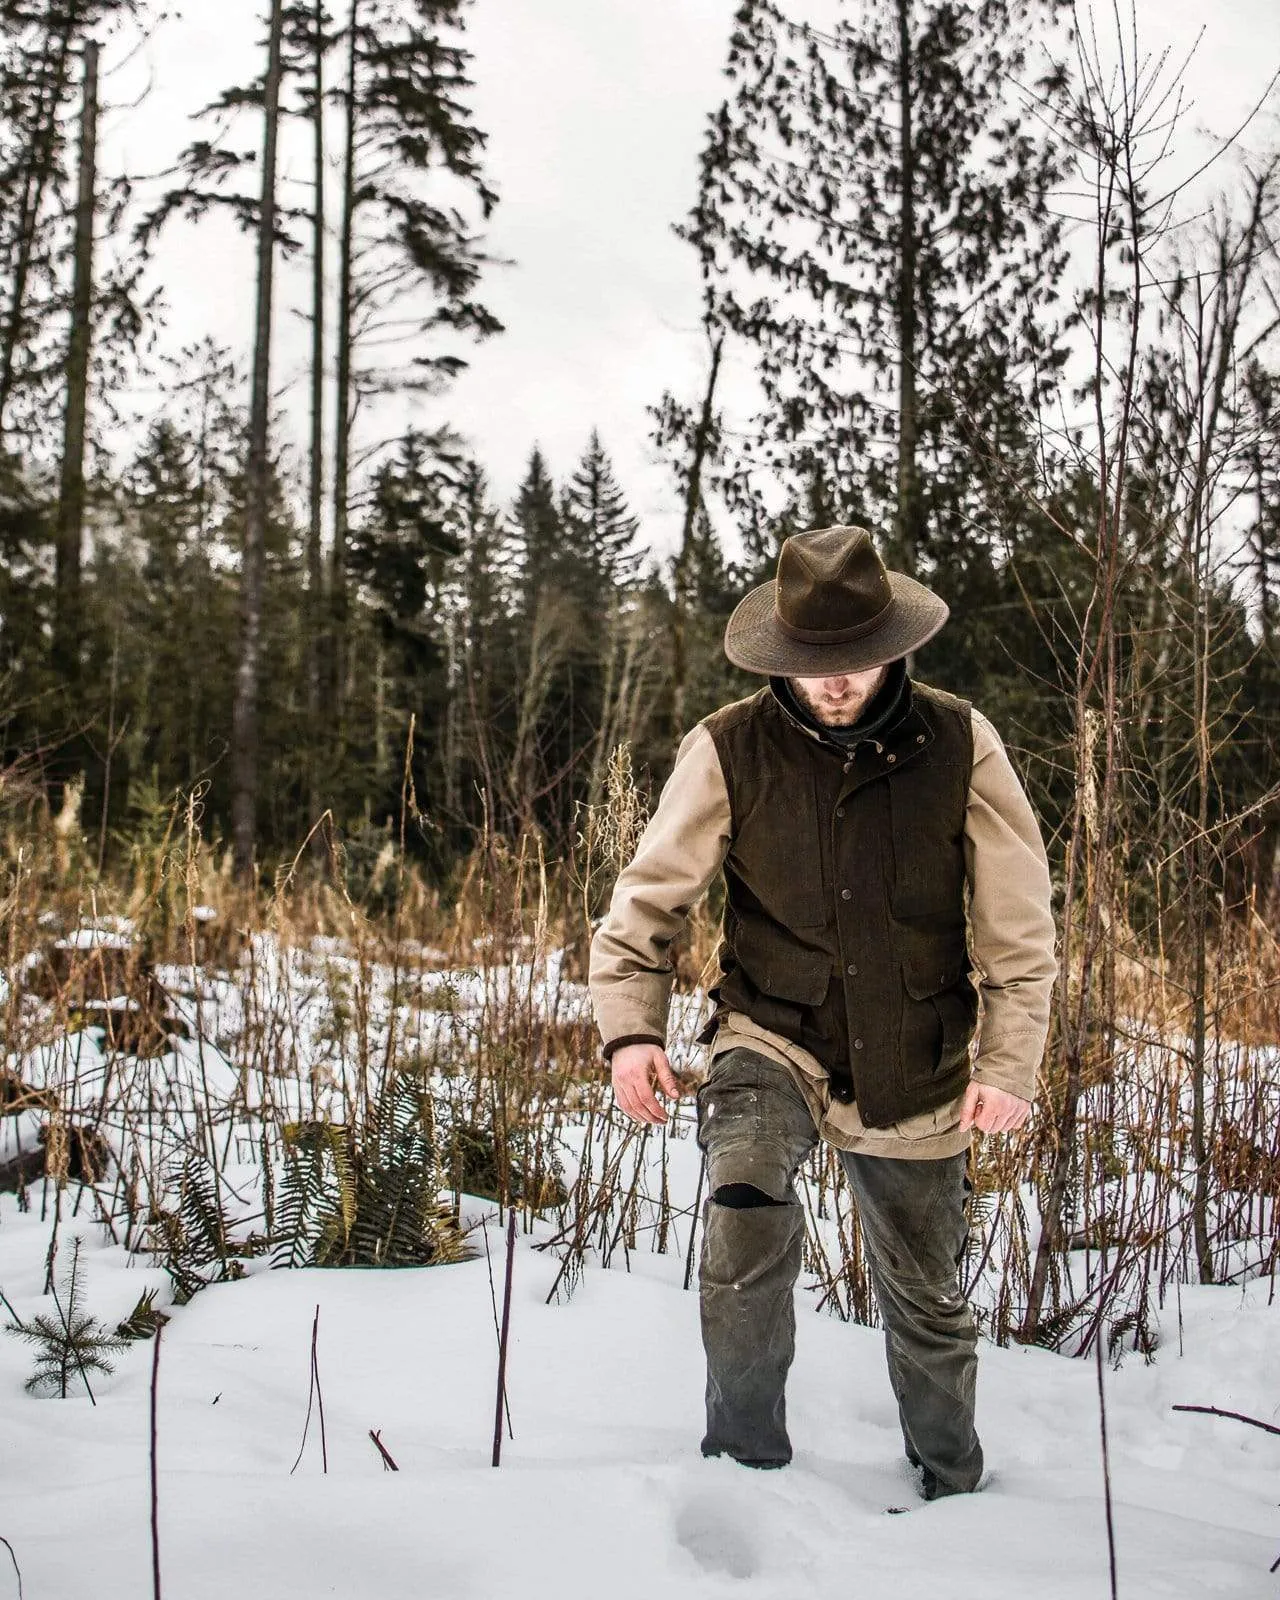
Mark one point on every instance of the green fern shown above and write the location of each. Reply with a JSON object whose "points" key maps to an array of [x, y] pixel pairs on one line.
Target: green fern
{"points": [[1052, 1330], [195, 1237], [144, 1321], [366, 1196], [316, 1207], [200, 1207]]}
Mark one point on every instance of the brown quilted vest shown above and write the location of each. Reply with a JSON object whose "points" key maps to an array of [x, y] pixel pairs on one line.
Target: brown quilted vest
{"points": [[844, 923]]}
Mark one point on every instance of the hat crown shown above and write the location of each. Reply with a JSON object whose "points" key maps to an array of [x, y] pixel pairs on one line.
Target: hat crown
{"points": [[832, 586]]}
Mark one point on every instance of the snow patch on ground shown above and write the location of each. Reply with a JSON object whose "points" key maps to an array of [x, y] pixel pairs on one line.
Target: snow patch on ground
{"points": [[602, 1491]]}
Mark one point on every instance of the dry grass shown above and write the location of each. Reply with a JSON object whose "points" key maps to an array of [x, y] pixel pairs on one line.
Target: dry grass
{"points": [[336, 998]]}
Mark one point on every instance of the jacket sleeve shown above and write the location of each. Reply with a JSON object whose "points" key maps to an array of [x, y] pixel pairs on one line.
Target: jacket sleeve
{"points": [[1011, 919], [679, 854]]}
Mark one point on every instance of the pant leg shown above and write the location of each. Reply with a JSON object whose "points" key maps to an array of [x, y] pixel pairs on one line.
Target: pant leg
{"points": [[755, 1129], [913, 1219]]}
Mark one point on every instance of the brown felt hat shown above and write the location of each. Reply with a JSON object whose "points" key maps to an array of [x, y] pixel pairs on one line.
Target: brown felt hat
{"points": [[833, 608]]}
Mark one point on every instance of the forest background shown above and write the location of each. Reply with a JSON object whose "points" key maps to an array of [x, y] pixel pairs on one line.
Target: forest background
{"points": [[972, 275], [221, 573]]}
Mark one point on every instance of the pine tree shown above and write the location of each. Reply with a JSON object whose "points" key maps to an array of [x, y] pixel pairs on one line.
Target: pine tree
{"points": [[481, 645], [881, 190], [402, 246], [71, 1344], [600, 531], [396, 564], [546, 625], [42, 54], [244, 733], [537, 533]]}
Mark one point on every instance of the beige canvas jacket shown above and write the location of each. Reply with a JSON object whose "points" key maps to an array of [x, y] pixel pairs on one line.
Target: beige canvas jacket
{"points": [[1011, 935]]}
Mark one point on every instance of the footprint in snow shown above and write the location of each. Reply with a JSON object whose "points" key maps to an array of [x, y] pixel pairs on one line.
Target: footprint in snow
{"points": [[715, 1538]]}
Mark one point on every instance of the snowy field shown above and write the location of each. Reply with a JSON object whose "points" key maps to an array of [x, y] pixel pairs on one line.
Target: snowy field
{"points": [[602, 1492]]}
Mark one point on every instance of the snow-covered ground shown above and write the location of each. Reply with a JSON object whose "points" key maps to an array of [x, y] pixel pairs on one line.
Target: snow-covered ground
{"points": [[602, 1491]]}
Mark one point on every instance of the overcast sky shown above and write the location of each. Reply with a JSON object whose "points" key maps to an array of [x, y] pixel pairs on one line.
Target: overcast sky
{"points": [[594, 111]]}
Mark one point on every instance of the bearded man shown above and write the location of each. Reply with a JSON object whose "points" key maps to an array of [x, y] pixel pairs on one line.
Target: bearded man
{"points": [[887, 900]]}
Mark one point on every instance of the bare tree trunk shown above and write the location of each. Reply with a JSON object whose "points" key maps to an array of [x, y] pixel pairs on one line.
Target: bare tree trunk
{"points": [[342, 420], [614, 646], [908, 521], [38, 174], [315, 528], [244, 754], [1090, 869], [66, 624]]}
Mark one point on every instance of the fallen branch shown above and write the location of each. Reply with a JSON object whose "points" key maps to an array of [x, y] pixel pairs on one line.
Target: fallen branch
{"points": [[1235, 1416], [388, 1462]]}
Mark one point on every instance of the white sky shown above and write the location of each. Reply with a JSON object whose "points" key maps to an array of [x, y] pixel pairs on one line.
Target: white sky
{"points": [[594, 111]]}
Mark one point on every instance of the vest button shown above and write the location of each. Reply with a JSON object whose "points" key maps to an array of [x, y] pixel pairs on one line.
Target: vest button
{"points": [[919, 738], [839, 811], [891, 759], [846, 894], [851, 970], [857, 1044]]}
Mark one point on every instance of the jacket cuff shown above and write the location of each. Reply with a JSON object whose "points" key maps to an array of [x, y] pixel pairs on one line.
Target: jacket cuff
{"points": [[632, 1038], [1011, 1064]]}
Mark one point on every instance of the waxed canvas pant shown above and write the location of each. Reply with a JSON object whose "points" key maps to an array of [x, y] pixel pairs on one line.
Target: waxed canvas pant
{"points": [[756, 1130]]}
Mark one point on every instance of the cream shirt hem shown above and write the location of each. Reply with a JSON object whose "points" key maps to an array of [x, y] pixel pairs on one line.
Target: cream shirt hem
{"points": [[930, 1136]]}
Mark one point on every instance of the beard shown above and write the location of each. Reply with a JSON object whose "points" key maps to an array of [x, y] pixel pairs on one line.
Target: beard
{"points": [[839, 711]]}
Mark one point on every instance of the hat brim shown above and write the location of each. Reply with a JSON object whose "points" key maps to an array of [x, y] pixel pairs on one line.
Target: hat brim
{"points": [[754, 641]]}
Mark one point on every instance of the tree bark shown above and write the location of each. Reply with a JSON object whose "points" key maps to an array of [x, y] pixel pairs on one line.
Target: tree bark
{"points": [[342, 421], [244, 798], [908, 520], [315, 528], [70, 539]]}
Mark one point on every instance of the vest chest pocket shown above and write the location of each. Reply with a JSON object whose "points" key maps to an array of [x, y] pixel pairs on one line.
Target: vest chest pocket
{"points": [[927, 833], [778, 852]]}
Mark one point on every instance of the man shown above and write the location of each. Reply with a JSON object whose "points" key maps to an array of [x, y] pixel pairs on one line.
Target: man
{"points": [[876, 844]]}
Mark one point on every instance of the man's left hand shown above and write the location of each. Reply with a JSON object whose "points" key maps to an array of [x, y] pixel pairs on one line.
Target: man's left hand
{"points": [[992, 1110]]}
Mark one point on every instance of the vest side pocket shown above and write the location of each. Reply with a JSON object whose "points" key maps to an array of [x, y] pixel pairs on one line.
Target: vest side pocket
{"points": [[939, 1007], [780, 984]]}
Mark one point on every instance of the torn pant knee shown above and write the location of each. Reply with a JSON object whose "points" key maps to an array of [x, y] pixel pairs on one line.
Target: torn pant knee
{"points": [[743, 1197]]}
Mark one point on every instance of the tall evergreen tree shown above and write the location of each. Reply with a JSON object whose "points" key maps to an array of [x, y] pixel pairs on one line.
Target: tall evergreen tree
{"points": [[244, 748], [600, 531], [883, 194], [537, 533], [408, 264]]}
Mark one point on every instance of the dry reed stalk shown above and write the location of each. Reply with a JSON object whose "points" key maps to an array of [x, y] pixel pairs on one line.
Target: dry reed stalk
{"points": [[316, 1396], [503, 1337]]}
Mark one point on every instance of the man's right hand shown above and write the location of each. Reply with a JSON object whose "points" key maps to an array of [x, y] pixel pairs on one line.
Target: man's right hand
{"points": [[636, 1070]]}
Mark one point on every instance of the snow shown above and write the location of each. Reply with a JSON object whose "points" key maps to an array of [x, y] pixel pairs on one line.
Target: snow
{"points": [[100, 936], [602, 1490]]}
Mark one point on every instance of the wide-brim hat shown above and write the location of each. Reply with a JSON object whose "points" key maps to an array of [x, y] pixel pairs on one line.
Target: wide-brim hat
{"points": [[833, 607]]}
